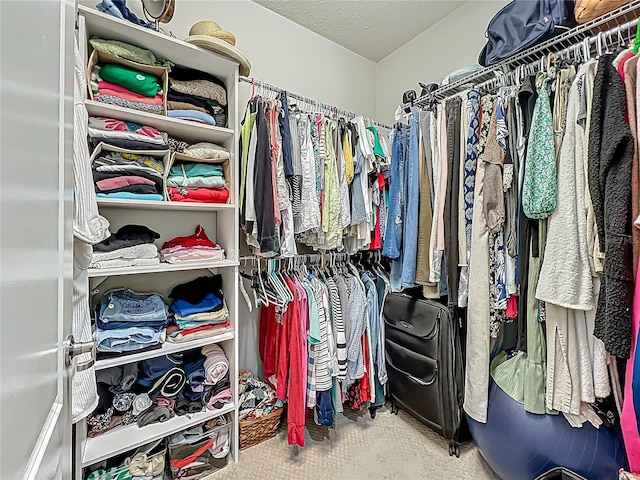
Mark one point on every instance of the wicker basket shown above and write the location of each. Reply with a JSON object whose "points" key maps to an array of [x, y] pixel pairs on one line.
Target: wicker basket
{"points": [[587, 10], [253, 432]]}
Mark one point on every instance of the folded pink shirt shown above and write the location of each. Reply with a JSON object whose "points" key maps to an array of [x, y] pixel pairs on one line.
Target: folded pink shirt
{"points": [[123, 181]]}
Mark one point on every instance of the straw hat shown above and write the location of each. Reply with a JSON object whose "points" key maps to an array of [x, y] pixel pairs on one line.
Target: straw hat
{"points": [[208, 35], [211, 28]]}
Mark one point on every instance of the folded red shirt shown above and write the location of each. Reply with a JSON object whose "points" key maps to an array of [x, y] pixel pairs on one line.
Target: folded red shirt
{"points": [[199, 238], [206, 327], [205, 195]]}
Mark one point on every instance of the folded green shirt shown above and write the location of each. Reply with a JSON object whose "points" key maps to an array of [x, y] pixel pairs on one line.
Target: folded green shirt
{"points": [[196, 170], [136, 81]]}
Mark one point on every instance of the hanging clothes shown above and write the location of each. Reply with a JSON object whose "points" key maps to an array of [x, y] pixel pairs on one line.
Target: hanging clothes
{"points": [[307, 178], [321, 340]]}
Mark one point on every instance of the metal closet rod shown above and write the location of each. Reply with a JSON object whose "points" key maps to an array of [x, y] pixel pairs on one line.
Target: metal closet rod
{"points": [[530, 59], [583, 50], [310, 101], [306, 257]]}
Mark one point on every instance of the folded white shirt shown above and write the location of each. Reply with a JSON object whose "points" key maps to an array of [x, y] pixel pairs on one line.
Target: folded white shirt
{"points": [[125, 262], [146, 250]]}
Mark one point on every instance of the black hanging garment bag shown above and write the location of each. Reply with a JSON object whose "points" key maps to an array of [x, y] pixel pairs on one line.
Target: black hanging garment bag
{"points": [[424, 363]]}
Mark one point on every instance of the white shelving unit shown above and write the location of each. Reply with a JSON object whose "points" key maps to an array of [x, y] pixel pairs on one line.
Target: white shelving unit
{"points": [[121, 440], [170, 219]]}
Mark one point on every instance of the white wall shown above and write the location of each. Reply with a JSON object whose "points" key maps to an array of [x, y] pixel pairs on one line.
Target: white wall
{"points": [[452, 43]]}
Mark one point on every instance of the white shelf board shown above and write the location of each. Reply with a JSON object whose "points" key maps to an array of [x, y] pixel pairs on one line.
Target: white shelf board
{"points": [[164, 205], [167, 348], [191, 132], [162, 267], [123, 439], [163, 46]]}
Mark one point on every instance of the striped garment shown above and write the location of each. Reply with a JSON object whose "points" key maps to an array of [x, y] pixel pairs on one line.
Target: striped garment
{"points": [[338, 329], [312, 341], [323, 360]]}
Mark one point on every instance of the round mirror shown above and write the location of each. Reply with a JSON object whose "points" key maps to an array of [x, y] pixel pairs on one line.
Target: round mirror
{"points": [[158, 11]]}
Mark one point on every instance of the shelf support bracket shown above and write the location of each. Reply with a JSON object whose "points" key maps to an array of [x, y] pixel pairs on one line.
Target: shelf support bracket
{"points": [[96, 282]]}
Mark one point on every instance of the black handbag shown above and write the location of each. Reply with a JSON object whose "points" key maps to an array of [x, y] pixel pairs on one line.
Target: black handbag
{"points": [[524, 23]]}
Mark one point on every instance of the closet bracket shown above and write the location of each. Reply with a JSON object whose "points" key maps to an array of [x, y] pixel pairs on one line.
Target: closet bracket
{"points": [[213, 270], [96, 282]]}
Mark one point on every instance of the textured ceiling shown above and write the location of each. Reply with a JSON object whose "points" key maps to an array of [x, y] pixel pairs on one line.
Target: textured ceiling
{"points": [[371, 28]]}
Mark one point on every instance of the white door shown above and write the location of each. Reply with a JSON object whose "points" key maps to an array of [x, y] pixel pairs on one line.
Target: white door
{"points": [[36, 141]]}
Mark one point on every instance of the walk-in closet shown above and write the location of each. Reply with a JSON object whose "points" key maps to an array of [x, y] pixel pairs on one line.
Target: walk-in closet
{"points": [[348, 239]]}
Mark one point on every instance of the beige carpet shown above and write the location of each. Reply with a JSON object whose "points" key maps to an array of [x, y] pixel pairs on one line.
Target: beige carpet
{"points": [[387, 447]]}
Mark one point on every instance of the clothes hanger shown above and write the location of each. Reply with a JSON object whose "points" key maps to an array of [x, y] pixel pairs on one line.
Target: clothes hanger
{"points": [[273, 297], [280, 276], [262, 291], [243, 290], [274, 281]]}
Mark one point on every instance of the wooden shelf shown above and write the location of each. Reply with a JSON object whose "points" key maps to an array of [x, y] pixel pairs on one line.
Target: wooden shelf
{"points": [[164, 205], [167, 348], [191, 132], [162, 267], [127, 438]]}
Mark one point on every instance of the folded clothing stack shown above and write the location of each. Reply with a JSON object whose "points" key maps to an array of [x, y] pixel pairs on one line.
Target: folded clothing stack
{"points": [[126, 87], [157, 389], [217, 384], [128, 175], [198, 309], [127, 135], [200, 451], [197, 96], [197, 182], [257, 398], [202, 181], [130, 322], [131, 245], [196, 247]]}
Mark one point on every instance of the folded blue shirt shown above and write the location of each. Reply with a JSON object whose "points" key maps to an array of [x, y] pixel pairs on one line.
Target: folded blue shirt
{"points": [[184, 308], [132, 196], [153, 368], [192, 115]]}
